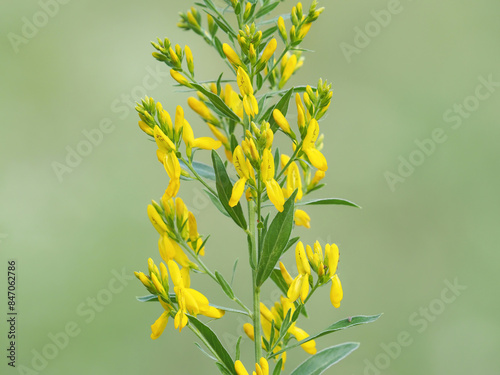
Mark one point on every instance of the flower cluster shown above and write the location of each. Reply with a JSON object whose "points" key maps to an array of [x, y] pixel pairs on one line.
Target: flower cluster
{"points": [[245, 114]]}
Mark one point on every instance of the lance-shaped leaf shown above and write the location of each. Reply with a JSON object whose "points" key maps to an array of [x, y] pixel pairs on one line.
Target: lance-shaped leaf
{"points": [[215, 200], [276, 239], [225, 189], [213, 343], [329, 201], [341, 324], [204, 170], [218, 103], [318, 363]]}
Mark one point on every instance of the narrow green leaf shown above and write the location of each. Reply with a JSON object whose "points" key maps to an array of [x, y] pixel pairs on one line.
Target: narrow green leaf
{"points": [[219, 85], [277, 237], [224, 285], [225, 189], [237, 355], [215, 200], [205, 352], [277, 368], [234, 270], [229, 309], [215, 344], [329, 201], [148, 298], [318, 363], [222, 107], [340, 325], [266, 10], [204, 170], [269, 32], [222, 369]]}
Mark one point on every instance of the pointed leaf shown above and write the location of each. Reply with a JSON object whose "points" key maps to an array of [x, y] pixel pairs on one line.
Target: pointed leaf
{"points": [[224, 285], [218, 103], [215, 200], [204, 170], [340, 325], [225, 189], [214, 343], [329, 201], [321, 361], [277, 237]]}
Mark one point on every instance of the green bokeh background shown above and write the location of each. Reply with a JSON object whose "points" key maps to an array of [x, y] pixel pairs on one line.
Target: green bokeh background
{"points": [[439, 224]]}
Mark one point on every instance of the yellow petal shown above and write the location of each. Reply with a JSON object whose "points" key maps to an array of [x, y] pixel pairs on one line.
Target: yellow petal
{"points": [[304, 290], [295, 288], [244, 83], [156, 219], [275, 194], [187, 134], [317, 159], [300, 334], [240, 369], [231, 55], [164, 143], [336, 292], [238, 190], [212, 312], [269, 50], [267, 166], [207, 143], [281, 121], [333, 258], [175, 273], [159, 325], [301, 259], [240, 163], [249, 330], [285, 274], [302, 219]]}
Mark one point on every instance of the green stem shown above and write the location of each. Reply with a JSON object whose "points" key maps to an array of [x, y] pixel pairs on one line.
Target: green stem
{"points": [[198, 177], [292, 159], [256, 289], [207, 271]]}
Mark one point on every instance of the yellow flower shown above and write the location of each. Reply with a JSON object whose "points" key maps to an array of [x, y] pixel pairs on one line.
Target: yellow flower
{"points": [[201, 109], [300, 285], [261, 368], [249, 101], [232, 56], [159, 325], [189, 59], [189, 300], [268, 51], [301, 119], [315, 157], [302, 218], [282, 122], [205, 143], [293, 181], [156, 220], [336, 293], [274, 191], [162, 141], [245, 172], [282, 29], [288, 70], [173, 168], [179, 78]]}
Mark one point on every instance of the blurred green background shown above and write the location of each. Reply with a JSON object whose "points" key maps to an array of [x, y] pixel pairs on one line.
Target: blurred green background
{"points": [[72, 234]]}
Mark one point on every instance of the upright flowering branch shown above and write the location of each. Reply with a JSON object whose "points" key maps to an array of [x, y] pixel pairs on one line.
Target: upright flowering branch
{"points": [[245, 114]]}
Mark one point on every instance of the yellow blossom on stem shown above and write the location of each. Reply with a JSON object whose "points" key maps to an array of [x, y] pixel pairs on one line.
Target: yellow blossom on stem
{"points": [[300, 285], [274, 191], [302, 218], [309, 147], [293, 181], [201, 109], [288, 71], [189, 300], [249, 101], [244, 170], [232, 56]]}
